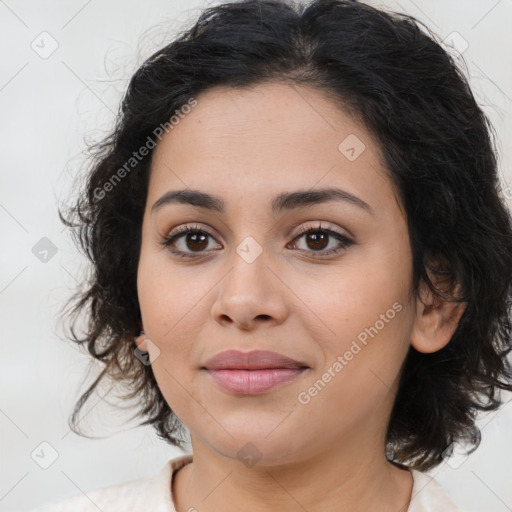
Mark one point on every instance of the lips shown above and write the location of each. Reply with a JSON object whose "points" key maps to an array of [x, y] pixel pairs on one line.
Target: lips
{"points": [[254, 360], [252, 373]]}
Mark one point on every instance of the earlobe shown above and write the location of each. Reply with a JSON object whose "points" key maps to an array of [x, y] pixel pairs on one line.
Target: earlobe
{"points": [[435, 323], [140, 341]]}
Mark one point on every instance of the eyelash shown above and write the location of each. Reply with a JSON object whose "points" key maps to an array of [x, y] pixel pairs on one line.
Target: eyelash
{"points": [[186, 229]]}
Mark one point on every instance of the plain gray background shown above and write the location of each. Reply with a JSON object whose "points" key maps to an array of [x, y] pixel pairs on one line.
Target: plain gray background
{"points": [[49, 102]]}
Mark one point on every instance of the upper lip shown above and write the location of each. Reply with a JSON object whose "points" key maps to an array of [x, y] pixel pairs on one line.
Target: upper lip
{"points": [[253, 360]]}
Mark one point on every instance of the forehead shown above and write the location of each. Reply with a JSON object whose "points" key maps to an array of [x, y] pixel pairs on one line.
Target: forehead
{"points": [[264, 140]]}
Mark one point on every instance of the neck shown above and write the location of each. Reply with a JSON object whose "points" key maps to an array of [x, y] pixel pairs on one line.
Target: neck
{"points": [[356, 478]]}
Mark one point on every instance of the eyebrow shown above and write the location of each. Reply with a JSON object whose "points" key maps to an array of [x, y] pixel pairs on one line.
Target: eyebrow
{"points": [[285, 201]]}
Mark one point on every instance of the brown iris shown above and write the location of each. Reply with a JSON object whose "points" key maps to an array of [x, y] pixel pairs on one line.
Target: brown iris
{"points": [[319, 240], [196, 241]]}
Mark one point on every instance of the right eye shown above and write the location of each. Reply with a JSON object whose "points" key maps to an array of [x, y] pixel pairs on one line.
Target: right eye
{"points": [[191, 238]]}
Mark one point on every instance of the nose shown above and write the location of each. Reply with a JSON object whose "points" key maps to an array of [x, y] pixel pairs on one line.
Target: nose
{"points": [[250, 293]]}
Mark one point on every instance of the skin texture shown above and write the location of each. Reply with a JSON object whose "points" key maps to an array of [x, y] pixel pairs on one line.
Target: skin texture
{"points": [[247, 146]]}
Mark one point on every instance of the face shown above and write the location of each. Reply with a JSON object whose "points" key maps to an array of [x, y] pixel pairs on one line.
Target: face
{"points": [[325, 282]]}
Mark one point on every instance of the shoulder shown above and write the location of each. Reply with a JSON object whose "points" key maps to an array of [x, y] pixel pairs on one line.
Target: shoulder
{"points": [[429, 496], [148, 493]]}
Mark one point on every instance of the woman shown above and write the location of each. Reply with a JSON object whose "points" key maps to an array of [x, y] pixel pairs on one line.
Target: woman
{"points": [[302, 255]]}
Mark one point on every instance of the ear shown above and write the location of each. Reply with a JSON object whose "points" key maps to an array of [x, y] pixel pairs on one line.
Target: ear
{"points": [[435, 322], [141, 342]]}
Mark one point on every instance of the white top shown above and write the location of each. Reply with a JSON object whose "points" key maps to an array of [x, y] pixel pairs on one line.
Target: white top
{"points": [[154, 494]]}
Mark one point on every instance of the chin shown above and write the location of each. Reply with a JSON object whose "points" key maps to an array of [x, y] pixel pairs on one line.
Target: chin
{"points": [[259, 448]]}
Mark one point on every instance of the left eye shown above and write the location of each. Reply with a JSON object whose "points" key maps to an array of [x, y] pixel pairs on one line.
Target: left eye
{"points": [[196, 241], [317, 238]]}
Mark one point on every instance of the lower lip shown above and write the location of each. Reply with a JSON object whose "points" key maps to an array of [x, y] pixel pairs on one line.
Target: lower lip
{"points": [[253, 382]]}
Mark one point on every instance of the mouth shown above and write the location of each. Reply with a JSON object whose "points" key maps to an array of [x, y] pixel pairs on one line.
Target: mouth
{"points": [[253, 382], [254, 372], [254, 360]]}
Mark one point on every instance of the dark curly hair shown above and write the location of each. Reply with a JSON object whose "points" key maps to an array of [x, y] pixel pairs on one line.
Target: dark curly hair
{"points": [[389, 71]]}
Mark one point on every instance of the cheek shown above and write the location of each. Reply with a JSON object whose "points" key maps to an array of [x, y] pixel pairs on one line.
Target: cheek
{"points": [[359, 376], [354, 299], [369, 316], [168, 295], [173, 304]]}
